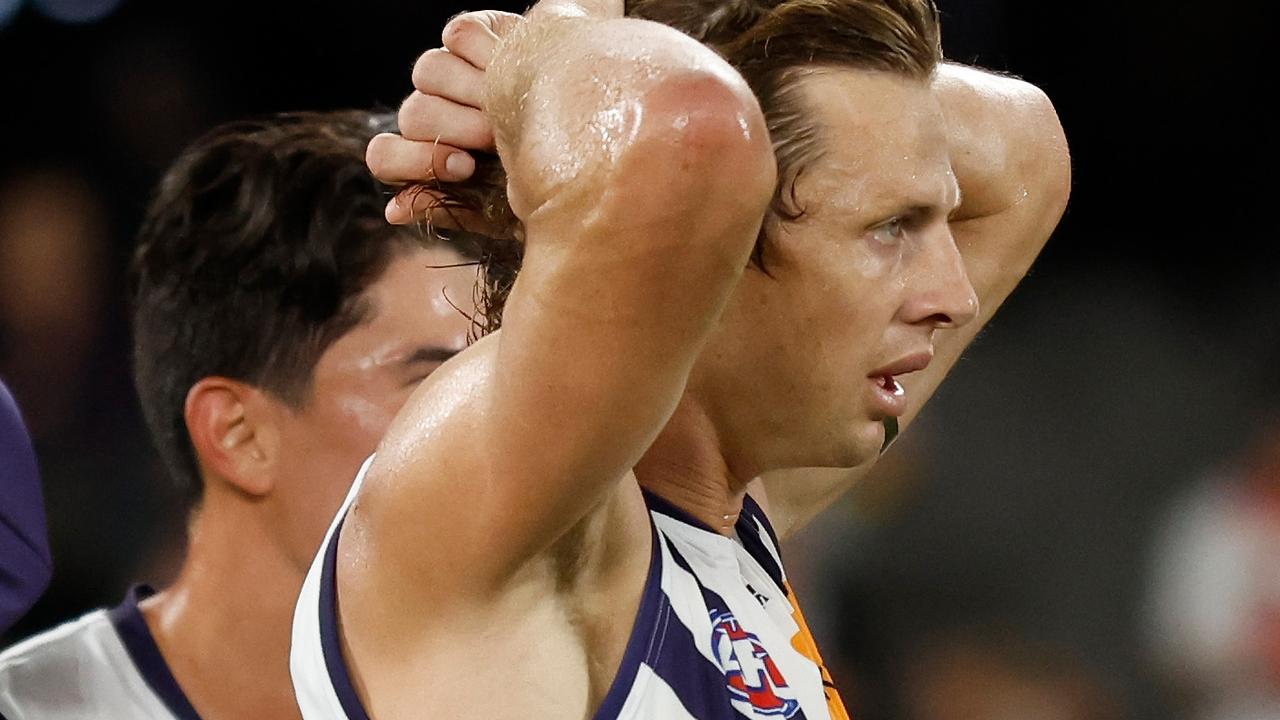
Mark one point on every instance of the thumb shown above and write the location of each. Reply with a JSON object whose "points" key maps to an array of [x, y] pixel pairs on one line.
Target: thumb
{"points": [[473, 36]]}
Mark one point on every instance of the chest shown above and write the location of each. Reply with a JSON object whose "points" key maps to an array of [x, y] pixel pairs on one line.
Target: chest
{"points": [[732, 629], [550, 648]]}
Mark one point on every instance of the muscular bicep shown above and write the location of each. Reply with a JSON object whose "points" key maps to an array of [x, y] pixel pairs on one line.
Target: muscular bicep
{"points": [[630, 255]]}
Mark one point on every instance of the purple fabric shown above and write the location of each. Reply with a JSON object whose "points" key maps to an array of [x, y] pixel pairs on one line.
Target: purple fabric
{"points": [[25, 565], [141, 645]]}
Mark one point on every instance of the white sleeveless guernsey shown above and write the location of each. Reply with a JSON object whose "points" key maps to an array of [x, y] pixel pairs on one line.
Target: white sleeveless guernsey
{"points": [[103, 666], [712, 640]]}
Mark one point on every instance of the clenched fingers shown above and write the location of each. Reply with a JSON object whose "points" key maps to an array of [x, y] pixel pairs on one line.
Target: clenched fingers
{"points": [[436, 119], [440, 72]]}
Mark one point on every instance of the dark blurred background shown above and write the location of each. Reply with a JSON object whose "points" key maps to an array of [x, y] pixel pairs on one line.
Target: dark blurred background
{"points": [[1085, 524]]}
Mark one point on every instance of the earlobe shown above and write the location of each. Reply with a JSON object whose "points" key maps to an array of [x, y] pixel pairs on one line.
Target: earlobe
{"points": [[230, 434]]}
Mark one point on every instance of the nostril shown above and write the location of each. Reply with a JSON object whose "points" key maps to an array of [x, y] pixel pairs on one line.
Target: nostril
{"points": [[941, 320]]}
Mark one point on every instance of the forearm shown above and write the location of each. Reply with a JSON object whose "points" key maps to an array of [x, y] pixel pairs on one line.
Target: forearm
{"points": [[570, 98], [1010, 157], [1011, 162], [640, 168], [1007, 146]]}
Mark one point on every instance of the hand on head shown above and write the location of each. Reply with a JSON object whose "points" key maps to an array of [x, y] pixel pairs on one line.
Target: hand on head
{"points": [[443, 121]]}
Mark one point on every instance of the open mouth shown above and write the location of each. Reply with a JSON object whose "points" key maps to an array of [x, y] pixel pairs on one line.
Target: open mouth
{"points": [[890, 383]]}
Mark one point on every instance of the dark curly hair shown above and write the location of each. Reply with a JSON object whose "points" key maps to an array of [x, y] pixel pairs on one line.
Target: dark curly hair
{"points": [[252, 259], [770, 42]]}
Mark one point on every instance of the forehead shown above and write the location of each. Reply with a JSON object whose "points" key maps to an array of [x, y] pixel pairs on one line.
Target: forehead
{"points": [[883, 140], [418, 302], [434, 281]]}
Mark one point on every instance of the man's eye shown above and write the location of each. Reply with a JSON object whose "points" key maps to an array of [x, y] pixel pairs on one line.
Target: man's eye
{"points": [[416, 379], [889, 233]]}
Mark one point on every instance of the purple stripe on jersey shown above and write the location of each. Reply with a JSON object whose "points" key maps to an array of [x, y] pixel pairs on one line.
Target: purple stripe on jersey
{"points": [[25, 565], [696, 681], [132, 629], [749, 534], [661, 505], [643, 643], [751, 508], [330, 643], [702, 686]]}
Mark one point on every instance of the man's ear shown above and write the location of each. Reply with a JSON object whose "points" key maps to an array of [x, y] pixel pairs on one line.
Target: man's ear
{"points": [[232, 431]]}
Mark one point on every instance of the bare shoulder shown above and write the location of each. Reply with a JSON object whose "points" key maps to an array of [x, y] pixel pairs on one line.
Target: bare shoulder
{"points": [[452, 391], [410, 479], [641, 196]]}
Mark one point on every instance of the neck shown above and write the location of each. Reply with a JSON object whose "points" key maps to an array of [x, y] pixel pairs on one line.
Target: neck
{"points": [[686, 467], [224, 626]]}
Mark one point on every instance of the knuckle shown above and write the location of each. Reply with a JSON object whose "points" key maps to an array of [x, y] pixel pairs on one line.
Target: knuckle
{"points": [[415, 116], [406, 106], [482, 134], [375, 156], [461, 27], [428, 68]]}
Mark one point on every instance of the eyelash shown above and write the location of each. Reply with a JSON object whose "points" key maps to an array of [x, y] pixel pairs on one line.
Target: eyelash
{"points": [[418, 378]]}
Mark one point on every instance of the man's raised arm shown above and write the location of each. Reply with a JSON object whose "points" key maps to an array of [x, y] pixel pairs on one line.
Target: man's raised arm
{"points": [[1011, 160], [640, 168]]}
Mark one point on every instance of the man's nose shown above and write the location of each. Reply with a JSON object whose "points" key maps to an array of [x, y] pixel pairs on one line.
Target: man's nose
{"points": [[944, 297]]}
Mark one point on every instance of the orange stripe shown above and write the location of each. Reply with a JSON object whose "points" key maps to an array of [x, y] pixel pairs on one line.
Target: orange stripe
{"points": [[804, 644]]}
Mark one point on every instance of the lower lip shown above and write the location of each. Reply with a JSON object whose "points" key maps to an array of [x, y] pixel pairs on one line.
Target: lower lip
{"points": [[888, 401]]}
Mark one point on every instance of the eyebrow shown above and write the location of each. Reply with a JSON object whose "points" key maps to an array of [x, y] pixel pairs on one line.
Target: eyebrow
{"points": [[927, 209], [915, 208], [429, 354], [915, 212]]}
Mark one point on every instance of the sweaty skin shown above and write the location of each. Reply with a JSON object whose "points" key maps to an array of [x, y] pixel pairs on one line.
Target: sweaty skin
{"points": [[1010, 158], [637, 348], [223, 625], [523, 445]]}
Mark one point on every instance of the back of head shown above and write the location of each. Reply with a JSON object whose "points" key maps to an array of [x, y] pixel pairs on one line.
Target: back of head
{"points": [[772, 43], [251, 260]]}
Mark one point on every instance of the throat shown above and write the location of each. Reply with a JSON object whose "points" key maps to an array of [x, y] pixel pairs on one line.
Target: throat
{"points": [[223, 627], [686, 467], [711, 496]]}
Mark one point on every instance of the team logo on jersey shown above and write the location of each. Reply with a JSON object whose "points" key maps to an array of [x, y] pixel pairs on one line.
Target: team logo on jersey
{"points": [[756, 686]]}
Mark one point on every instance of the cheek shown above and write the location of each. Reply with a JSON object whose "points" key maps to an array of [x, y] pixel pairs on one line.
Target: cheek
{"points": [[347, 429], [360, 415], [868, 263], [838, 320]]}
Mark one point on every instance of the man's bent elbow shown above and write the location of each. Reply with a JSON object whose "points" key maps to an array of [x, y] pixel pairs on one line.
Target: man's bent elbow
{"points": [[1048, 154], [709, 136], [1036, 142]]}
